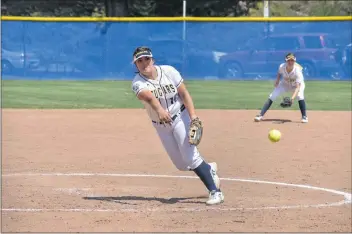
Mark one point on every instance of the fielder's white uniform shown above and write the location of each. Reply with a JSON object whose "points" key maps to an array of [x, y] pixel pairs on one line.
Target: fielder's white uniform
{"points": [[289, 81], [175, 137]]}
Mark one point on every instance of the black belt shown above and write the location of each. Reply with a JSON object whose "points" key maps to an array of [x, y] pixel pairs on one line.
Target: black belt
{"points": [[173, 117]]}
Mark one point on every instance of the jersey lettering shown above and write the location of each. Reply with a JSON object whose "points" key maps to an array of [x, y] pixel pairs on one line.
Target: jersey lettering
{"points": [[163, 88], [160, 92], [172, 88], [293, 77], [168, 88]]}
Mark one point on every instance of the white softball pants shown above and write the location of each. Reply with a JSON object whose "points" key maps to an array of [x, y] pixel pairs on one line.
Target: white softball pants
{"points": [[284, 87], [175, 141]]}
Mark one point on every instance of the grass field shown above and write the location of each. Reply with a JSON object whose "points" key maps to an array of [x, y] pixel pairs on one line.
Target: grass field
{"points": [[320, 95]]}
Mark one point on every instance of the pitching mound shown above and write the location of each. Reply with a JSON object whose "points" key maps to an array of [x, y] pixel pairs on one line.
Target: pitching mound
{"points": [[96, 171]]}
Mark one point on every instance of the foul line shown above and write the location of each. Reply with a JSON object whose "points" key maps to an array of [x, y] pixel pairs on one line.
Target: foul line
{"points": [[347, 196]]}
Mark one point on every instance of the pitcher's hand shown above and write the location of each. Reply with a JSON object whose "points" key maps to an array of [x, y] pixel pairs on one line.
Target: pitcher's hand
{"points": [[276, 83], [164, 116]]}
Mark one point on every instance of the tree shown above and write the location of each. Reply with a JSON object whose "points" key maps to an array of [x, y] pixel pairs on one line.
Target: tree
{"points": [[211, 8], [330, 8], [304, 8], [116, 8], [51, 7], [220, 7]]}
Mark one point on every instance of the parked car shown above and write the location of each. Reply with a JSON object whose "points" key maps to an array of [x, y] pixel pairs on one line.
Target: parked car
{"points": [[12, 60], [189, 58], [314, 51]]}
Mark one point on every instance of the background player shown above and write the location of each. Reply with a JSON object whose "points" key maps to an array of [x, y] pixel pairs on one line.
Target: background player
{"points": [[293, 80], [170, 108]]}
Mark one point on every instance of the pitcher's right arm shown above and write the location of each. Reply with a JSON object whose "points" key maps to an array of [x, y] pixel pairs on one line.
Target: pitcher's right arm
{"points": [[148, 97]]}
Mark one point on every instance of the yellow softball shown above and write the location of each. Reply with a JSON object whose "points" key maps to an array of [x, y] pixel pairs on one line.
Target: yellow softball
{"points": [[274, 135]]}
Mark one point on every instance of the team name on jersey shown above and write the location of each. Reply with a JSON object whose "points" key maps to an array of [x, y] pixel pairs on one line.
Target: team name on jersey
{"points": [[164, 89]]}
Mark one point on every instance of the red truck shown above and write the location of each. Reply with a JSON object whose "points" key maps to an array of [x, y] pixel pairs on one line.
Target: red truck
{"points": [[316, 52]]}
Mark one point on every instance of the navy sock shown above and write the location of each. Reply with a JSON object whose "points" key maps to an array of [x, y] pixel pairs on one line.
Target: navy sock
{"points": [[302, 107], [266, 107], [203, 172]]}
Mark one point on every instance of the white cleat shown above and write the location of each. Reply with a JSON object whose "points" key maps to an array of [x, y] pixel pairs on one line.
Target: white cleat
{"points": [[304, 119], [213, 172], [215, 198], [258, 118]]}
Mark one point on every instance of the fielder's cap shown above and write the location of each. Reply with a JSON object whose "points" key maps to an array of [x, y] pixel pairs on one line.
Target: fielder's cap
{"points": [[141, 52], [290, 56]]}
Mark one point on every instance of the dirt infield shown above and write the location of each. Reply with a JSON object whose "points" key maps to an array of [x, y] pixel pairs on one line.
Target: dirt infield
{"points": [[85, 171]]}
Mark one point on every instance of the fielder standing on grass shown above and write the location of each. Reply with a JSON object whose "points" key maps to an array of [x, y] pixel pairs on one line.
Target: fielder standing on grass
{"points": [[292, 81], [170, 108]]}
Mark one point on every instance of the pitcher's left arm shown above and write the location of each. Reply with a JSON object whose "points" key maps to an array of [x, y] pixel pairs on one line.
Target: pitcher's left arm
{"points": [[187, 100]]}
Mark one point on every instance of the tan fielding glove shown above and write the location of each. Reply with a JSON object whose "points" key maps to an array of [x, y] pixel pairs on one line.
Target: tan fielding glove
{"points": [[195, 131]]}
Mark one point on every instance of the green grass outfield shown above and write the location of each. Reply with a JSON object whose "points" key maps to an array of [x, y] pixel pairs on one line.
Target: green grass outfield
{"points": [[320, 95]]}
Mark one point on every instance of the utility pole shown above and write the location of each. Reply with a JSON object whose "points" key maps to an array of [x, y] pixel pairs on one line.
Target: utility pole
{"points": [[184, 14], [266, 14], [266, 8]]}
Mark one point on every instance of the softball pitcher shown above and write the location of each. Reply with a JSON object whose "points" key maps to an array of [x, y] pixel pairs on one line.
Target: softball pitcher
{"points": [[293, 81], [171, 111]]}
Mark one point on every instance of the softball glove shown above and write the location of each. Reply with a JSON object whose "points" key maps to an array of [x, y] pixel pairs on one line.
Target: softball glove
{"points": [[195, 131], [286, 102]]}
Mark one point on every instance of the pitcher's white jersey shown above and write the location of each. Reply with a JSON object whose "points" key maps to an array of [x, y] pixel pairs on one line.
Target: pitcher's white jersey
{"points": [[164, 89], [294, 77]]}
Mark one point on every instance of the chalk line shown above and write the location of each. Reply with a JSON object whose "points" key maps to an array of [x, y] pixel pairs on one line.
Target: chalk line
{"points": [[347, 196], [74, 191]]}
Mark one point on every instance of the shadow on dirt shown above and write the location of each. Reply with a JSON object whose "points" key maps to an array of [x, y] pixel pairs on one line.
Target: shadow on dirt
{"points": [[277, 121], [124, 199]]}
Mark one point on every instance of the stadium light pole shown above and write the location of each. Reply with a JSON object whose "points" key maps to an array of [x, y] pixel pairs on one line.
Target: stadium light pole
{"points": [[184, 13], [266, 14], [266, 8]]}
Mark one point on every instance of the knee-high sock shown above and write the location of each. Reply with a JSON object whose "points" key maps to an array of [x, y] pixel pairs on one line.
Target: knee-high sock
{"points": [[203, 172], [266, 107], [302, 107]]}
